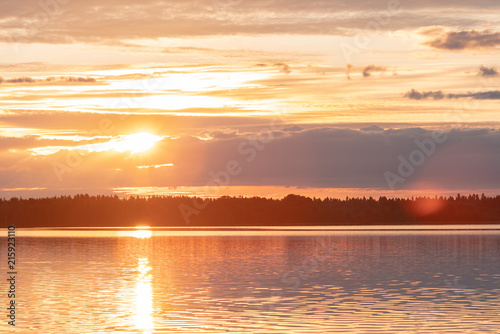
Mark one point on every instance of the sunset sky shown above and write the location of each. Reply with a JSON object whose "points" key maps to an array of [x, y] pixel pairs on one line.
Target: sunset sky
{"points": [[321, 98]]}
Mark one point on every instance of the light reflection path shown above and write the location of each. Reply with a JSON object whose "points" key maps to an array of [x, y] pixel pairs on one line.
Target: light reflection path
{"points": [[141, 234], [144, 288], [144, 297]]}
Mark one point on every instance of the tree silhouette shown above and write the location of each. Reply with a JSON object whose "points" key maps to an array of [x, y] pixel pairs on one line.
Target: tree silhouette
{"points": [[292, 210]]}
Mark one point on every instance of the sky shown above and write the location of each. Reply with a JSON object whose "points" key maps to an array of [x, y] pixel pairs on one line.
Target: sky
{"points": [[236, 97]]}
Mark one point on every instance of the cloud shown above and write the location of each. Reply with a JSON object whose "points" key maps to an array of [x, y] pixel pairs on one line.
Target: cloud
{"points": [[284, 68], [438, 95], [318, 157], [415, 95], [155, 166], [373, 128], [33, 21], [18, 80], [48, 80], [221, 134], [372, 68], [294, 128], [465, 40], [491, 95], [73, 79], [348, 71], [487, 71], [58, 67]]}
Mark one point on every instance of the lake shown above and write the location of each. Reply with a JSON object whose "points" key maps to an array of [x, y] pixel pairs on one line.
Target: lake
{"points": [[385, 279]]}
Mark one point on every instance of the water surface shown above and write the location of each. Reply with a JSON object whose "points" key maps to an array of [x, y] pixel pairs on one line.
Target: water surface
{"points": [[269, 280]]}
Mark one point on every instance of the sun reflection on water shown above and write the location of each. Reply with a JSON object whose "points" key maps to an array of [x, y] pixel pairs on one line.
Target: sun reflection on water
{"points": [[144, 298], [143, 232]]}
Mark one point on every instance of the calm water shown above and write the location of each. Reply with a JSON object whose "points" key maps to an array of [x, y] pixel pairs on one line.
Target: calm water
{"points": [[258, 281]]}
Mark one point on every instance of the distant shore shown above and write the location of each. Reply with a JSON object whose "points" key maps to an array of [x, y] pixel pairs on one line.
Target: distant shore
{"points": [[292, 210]]}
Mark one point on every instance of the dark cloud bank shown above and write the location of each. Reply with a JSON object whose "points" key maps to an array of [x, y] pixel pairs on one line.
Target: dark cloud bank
{"points": [[321, 157]]}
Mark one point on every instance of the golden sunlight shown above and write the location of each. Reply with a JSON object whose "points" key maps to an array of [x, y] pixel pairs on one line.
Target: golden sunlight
{"points": [[144, 297], [142, 233], [135, 143]]}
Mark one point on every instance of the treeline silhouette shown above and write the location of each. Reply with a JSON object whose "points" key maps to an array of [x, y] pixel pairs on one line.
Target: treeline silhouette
{"points": [[92, 211]]}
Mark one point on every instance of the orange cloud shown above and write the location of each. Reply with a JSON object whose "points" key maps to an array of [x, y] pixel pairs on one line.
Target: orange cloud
{"points": [[465, 40]]}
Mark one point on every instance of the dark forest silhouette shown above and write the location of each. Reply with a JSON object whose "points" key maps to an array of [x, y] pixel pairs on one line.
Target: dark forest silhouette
{"points": [[92, 211]]}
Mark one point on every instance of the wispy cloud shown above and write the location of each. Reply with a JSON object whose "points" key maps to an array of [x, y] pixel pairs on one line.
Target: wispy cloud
{"points": [[49, 80], [284, 68], [488, 71], [416, 95], [439, 95], [31, 21], [348, 71], [17, 80], [155, 166], [465, 40], [367, 71]]}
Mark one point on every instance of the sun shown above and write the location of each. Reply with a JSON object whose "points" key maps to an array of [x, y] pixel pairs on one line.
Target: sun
{"points": [[136, 143], [133, 143]]}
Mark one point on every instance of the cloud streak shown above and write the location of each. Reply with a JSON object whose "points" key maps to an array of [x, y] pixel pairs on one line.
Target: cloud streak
{"points": [[416, 95], [318, 157], [465, 40], [49, 80], [49, 21], [439, 95], [283, 68], [367, 71]]}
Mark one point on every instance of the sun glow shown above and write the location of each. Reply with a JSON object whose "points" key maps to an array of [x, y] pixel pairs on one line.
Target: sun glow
{"points": [[135, 143], [142, 233]]}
